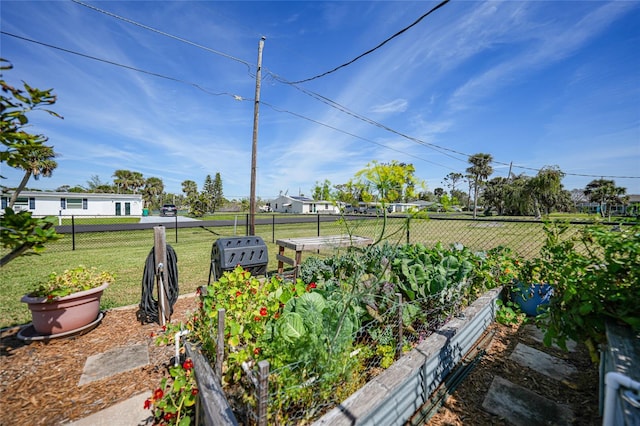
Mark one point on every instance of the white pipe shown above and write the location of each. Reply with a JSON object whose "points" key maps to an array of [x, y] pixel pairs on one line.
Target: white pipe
{"points": [[613, 382], [176, 340]]}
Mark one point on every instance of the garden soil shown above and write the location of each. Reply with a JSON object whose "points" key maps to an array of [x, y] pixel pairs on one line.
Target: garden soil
{"points": [[39, 381]]}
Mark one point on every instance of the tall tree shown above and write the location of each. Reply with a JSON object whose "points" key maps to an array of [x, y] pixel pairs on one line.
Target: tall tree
{"points": [[546, 189], [494, 193], [152, 192], [123, 181], [479, 171], [452, 180], [207, 192], [606, 193], [20, 232], [322, 191], [218, 195], [389, 182], [37, 161]]}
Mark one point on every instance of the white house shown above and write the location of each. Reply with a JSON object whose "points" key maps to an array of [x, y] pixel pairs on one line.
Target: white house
{"points": [[76, 203], [299, 204]]}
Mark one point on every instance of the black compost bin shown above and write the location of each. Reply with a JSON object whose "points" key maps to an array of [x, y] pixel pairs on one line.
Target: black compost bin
{"points": [[249, 252]]}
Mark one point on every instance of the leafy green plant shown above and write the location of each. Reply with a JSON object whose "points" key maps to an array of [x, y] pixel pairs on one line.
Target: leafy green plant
{"points": [[173, 403], [509, 313], [595, 276], [71, 281]]}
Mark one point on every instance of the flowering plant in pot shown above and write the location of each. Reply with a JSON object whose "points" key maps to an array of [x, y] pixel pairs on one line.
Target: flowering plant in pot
{"points": [[67, 301]]}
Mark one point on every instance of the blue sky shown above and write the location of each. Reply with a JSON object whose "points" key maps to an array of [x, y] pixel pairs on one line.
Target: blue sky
{"points": [[532, 83]]}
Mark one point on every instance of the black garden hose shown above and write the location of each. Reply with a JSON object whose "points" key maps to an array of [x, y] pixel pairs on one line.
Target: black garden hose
{"points": [[148, 311]]}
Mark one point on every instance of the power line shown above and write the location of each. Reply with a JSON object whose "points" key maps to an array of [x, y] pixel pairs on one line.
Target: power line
{"points": [[327, 101], [375, 48], [277, 109], [146, 27], [106, 61]]}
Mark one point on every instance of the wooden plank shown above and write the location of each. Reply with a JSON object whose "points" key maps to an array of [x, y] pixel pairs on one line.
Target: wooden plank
{"points": [[315, 243], [286, 260]]}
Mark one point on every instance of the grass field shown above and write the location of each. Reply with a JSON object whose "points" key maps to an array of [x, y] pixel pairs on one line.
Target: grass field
{"points": [[124, 253]]}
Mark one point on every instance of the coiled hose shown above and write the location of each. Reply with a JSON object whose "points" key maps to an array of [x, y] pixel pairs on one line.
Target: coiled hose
{"points": [[148, 311]]}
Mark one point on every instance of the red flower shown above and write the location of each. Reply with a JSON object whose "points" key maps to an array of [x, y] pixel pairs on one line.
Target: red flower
{"points": [[187, 365], [310, 286], [194, 391], [256, 318], [238, 293], [263, 311], [198, 291], [158, 394], [256, 351], [168, 416], [164, 328], [147, 404], [276, 315]]}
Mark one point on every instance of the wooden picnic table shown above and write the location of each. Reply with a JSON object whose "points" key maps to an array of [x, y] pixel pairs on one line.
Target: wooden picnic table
{"points": [[313, 243]]}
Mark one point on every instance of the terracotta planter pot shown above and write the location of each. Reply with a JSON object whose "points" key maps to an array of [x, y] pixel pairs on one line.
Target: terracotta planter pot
{"points": [[66, 313]]}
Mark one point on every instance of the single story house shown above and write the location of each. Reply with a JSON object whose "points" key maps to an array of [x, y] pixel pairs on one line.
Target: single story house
{"points": [[302, 205], [75, 203]]}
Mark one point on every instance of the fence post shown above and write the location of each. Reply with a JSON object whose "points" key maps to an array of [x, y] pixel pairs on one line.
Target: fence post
{"points": [[160, 258], [246, 225], [318, 223], [220, 344], [263, 391], [176, 227], [273, 228], [408, 229], [73, 232], [400, 333]]}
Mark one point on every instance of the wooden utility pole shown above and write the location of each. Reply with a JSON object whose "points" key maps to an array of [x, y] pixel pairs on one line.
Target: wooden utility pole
{"points": [[254, 145]]}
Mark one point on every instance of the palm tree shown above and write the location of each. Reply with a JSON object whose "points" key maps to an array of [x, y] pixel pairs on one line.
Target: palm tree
{"points": [[479, 171], [153, 189], [605, 192], [123, 180], [37, 160]]}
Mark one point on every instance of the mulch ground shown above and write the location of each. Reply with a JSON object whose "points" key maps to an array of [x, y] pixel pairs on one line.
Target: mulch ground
{"points": [[464, 406], [39, 380]]}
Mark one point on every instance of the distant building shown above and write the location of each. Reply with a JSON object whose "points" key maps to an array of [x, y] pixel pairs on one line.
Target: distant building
{"points": [[302, 205], [75, 203]]}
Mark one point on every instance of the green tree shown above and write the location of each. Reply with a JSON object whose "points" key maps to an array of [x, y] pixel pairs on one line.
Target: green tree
{"points": [[124, 181], [479, 171], [152, 192], [494, 193], [322, 191], [389, 182], [606, 193], [37, 161], [95, 184], [20, 232], [217, 193], [452, 180], [546, 189], [207, 192]]}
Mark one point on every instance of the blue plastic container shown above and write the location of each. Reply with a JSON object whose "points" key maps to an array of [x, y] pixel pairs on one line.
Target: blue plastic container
{"points": [[532, 298]]}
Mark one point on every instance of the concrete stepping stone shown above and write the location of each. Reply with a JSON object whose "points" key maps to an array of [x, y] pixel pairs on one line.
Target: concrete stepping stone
{"points": [[521, 407], [549, 365], [113, 362], [536, 334]]}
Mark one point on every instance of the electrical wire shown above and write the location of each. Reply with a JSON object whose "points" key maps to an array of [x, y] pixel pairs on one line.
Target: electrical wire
{"points": [[374, 48], [327, 101], [106, 61], [146, 27]]}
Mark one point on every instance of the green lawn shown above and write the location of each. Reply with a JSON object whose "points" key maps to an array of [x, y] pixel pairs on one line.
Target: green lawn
{"points": [[124, 253]]}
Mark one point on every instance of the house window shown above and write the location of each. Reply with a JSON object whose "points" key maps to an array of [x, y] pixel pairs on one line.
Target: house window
{"points": [[63, 203], [74, 203], [22, 203], [5, 202], [32, 203]]}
